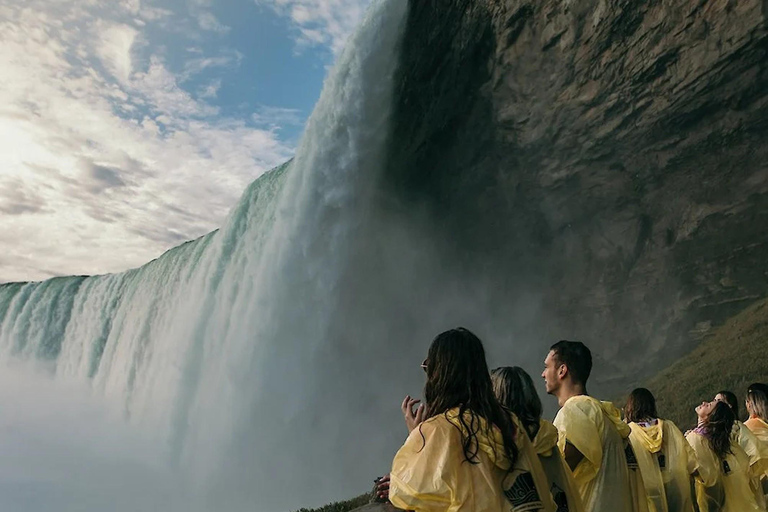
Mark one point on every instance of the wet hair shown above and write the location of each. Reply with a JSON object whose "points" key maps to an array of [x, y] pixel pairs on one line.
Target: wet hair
{"points": [[576, 356], [458, 377], [719, 426], [641, 405], [731, 400], [515, 390], [757, 400]]}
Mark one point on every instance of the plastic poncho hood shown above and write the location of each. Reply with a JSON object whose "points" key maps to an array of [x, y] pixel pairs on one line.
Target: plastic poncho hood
{"points": [[650, 437]]}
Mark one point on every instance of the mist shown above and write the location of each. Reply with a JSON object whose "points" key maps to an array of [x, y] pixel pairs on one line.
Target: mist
{"points": [[66, 448]]}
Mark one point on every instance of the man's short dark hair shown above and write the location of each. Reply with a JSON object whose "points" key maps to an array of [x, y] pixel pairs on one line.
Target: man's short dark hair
{"points": [[576, 356]]}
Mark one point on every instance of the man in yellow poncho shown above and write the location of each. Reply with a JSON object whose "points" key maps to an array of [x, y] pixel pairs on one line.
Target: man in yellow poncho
{"points": [[592, 438]]}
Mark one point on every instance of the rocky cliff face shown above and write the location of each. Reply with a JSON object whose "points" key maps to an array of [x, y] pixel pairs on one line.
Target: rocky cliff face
{"points": [[607, 154]]}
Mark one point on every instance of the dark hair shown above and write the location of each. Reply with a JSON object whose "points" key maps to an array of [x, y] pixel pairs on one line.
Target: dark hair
{"points": [[719, 426], [576, 356], [515, 390], [731, 400], [457, 376], [757, 400], [641, 405]]}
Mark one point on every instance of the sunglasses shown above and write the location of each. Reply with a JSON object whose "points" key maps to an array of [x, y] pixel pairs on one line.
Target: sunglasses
{"points": [[424, 366]]}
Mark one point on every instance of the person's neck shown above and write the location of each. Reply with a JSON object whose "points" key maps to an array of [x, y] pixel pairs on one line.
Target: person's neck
{"points": [[569, 390]]}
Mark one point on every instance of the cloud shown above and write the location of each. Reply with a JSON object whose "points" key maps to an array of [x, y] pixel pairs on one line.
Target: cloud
{"points": [[321, 22], [207, 21], [197, 65], [274, 117], [107, 159], [116, 41], [17, 198]]}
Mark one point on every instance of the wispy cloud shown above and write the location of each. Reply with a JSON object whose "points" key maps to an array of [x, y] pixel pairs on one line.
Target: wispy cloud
{"points": [[275, 117], [321, 22], [107, 160]]}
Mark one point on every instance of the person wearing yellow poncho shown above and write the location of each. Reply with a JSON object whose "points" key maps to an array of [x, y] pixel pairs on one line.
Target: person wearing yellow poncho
{"points": [[665, 459], [464, 453], [723, 480], [515, 390], [756, 450], [592, 436], [757, 407]]}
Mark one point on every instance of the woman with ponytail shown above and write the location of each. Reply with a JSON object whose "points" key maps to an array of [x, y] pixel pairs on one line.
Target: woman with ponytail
{"points": [[723, 479], [464, 452]]}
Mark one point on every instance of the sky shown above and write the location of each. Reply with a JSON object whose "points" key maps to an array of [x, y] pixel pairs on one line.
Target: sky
{"points": [[130, 126]]}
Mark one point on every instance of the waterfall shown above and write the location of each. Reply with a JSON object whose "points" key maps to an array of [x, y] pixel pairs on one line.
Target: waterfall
{"points": [[198, 343]]}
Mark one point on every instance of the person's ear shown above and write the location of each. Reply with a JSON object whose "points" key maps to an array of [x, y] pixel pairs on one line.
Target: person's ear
{"points": [[562, 371]]}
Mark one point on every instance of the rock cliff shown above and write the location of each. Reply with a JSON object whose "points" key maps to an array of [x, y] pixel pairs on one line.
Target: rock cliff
{"points": [[607, 154]]}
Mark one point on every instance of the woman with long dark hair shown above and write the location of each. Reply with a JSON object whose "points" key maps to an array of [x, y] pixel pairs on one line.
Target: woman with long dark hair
{"points": [[723, 479], [665, 459], [515, 390], [757, 450], [463, 452]]}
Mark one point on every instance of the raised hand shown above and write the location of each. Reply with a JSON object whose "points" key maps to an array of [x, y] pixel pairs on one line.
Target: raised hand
{"points": [[412, 417]]}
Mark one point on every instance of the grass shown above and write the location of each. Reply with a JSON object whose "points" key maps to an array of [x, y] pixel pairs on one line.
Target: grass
{"points": [[342, 506], [732, 357]]}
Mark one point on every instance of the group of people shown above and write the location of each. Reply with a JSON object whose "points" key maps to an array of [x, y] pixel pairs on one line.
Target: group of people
{"points": [[479, 443]]}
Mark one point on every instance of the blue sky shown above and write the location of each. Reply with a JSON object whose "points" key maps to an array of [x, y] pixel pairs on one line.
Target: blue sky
{"points": [[128, 126]]}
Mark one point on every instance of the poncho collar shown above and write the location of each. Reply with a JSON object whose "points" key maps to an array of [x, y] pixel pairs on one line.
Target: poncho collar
{"points": [[651, 436]]}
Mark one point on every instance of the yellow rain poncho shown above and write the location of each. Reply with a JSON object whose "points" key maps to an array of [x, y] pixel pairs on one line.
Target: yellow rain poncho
{"points": [[640, 501], [603, 476], [722, 485], [759, 428], [757, 449], [558, 473], [430, 472], [666, 461]]}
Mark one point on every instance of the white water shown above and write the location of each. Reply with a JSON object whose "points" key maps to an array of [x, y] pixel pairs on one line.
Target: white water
{"points": [[212, 347]]}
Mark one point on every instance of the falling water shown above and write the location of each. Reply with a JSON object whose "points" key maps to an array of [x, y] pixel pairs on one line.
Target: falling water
{"points": [[196, 343]]}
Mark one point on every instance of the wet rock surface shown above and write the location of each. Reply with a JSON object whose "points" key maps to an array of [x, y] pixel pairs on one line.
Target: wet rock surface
{"points": [[606, 156]]}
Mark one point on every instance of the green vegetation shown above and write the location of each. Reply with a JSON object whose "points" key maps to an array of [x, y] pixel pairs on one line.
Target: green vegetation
{"points": [[342, 506], [732, 357]]}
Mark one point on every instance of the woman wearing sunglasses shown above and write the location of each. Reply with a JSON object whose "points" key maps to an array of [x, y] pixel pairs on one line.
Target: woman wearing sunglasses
{"points": [[464, 452]]}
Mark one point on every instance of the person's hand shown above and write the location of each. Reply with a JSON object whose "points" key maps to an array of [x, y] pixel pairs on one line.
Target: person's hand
{"points": [[382, 487], [412, 418]]}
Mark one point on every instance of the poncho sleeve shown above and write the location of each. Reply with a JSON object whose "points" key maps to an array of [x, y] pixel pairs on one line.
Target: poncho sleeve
{"points": [[423, 476], [578, 423], [709, 465]]}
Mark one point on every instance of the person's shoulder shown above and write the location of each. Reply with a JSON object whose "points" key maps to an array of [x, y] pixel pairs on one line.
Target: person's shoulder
{"points": [[584, 403], [670, 426], [443, 425], [695, 437]]}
